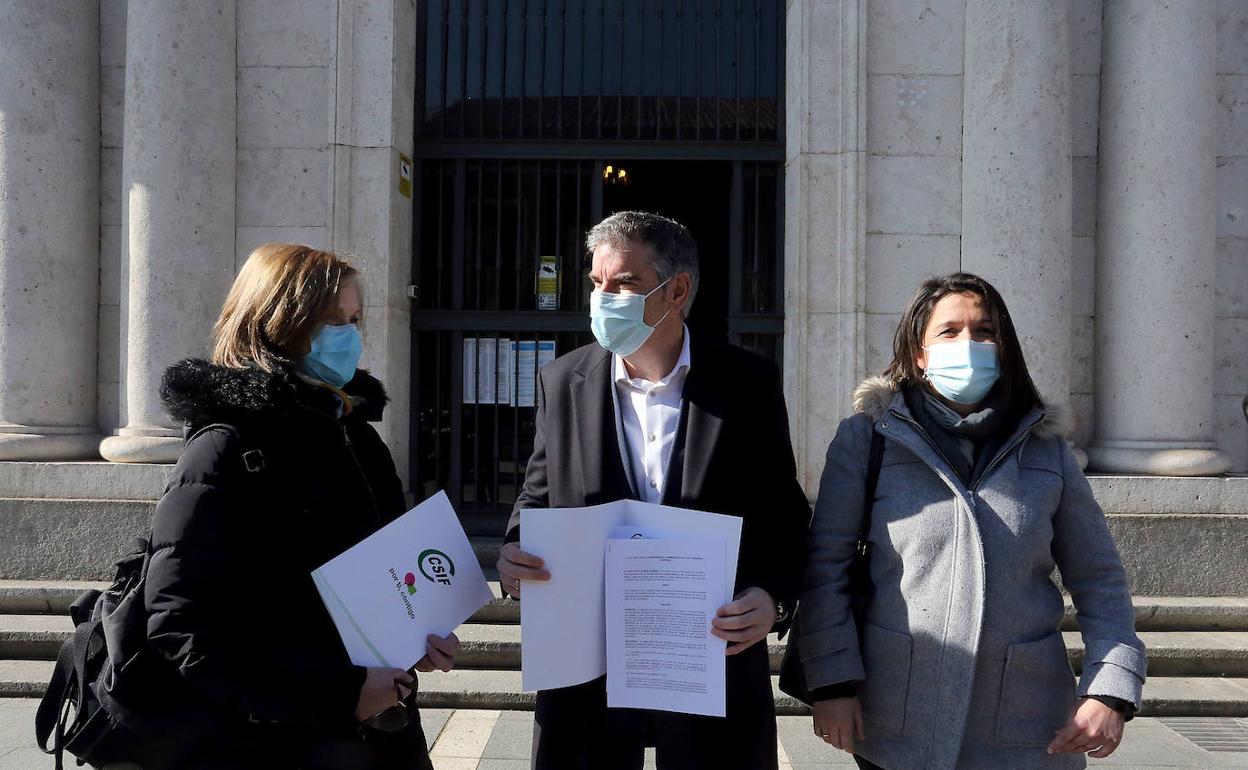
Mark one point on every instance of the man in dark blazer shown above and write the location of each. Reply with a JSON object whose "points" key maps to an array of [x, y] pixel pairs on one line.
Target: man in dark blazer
{"points": [[651, 414]]}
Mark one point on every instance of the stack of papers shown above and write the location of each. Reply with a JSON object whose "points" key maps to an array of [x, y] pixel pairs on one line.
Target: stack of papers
{"points": [[633, 589], [416, 576]]}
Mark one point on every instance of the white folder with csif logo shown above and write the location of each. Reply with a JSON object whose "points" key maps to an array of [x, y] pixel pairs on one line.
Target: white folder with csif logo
{"points": [[415, 576]]}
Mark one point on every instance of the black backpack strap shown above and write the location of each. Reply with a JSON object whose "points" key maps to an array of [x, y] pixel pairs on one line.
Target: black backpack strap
{"points": [[254, 460], [874, 460], [69, 684]]}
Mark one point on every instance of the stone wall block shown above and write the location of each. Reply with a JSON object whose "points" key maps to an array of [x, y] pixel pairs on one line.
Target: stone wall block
{"points": [[1230, 358], [1083, 277], [880, 330], [1085, 36], [112, 33], [914, 115], [248, 238], [1230, 431], [110, 264], [1232, 197], [896, 264], [912, 38], [292, 33], [112, 105], [284, 107], [283, 187], [1231, 284], [1083, 186], [1082, 356], [1232, 36], [1233, 115], [908, 194], [829, 400], [109, 354], [110, 186], [1085, 95]]}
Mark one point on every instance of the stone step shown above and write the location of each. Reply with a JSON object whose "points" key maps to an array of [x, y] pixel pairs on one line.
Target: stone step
{"points": [[497, 646], [1177, 536], [489, 689], [1152, 613]]}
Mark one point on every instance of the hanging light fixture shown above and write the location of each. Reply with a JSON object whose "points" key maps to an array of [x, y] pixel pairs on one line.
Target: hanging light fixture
{"points": [[616, 175]]}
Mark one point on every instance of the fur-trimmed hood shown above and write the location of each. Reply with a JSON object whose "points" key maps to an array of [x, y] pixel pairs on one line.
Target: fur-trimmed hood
{"points": [[875, 394], [196, 392]]}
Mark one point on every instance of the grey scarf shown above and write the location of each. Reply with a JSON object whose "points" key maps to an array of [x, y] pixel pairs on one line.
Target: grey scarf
{"points": [[961, 439]]}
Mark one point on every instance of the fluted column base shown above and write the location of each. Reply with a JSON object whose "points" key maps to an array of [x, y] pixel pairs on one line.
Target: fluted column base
{"points": [[35, 443], [1158, 458], [142, 445]]}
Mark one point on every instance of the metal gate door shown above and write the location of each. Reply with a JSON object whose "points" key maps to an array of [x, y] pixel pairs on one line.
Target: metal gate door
{"points": [[524, 133]]}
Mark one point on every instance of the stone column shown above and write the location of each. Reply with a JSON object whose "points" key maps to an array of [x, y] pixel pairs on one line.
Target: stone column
{"points": [[1155, 241], [178, 168], [49, 228], [824, 222], [1016, 173]]}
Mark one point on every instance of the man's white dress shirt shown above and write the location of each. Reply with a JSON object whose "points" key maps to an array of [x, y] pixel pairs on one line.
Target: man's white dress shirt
{"points": [[650, 415]]}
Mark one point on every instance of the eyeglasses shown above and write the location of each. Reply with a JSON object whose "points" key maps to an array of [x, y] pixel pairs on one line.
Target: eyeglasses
{"points": [[394, 718]]}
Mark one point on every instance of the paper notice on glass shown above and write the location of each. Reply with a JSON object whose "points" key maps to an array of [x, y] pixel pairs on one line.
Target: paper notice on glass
{"points": [[563, 620], [487, 370], [416, 576], [526, 372], [661, 596], [470, 370], [506, 372]]}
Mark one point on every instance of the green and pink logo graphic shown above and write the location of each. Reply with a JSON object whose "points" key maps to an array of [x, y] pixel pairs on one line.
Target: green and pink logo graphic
{"points": [[409, 580]]}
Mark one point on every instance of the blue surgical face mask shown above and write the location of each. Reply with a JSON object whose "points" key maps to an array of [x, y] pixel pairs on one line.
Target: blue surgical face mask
{"points": [[962, 371], [335, 354], [618, 320]]}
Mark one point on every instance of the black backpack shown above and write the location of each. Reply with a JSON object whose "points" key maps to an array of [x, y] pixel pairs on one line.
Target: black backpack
{"points": [[100, 704], [102, 668]]}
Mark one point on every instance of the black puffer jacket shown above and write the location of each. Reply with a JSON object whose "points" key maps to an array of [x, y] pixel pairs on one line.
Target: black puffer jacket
{"points": [[229, 592]]}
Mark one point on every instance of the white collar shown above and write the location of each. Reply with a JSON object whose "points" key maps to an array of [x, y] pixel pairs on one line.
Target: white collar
{"points": [[680, 370]]}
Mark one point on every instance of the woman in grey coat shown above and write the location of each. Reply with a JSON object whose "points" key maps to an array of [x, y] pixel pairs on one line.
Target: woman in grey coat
{"points": [[958, 662]]}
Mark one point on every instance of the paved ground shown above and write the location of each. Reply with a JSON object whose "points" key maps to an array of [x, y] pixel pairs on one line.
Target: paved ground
{"points": [[499, 740]]}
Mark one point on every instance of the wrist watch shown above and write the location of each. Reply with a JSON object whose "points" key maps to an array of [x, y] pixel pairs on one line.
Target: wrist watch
{"points": [[782, 612]]}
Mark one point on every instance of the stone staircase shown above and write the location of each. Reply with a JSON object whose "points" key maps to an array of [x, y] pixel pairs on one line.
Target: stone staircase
{"points": [[1198, 652], [1184, 542]]}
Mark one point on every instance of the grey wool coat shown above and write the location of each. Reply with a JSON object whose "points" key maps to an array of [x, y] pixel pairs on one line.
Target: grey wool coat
{"points": [[960, 660]]}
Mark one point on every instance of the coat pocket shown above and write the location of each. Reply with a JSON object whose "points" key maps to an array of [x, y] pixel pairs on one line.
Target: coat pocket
{"points": [[1037, 691], [886, 661]]}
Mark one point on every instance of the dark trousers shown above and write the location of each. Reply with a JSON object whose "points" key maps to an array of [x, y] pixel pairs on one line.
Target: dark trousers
{"points": [[866, 764], [574, 730], [278, 747]]}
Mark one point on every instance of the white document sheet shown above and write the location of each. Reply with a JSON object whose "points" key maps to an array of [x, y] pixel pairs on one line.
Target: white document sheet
{"points": [[415, 576], [563, 620], [661, 597]]}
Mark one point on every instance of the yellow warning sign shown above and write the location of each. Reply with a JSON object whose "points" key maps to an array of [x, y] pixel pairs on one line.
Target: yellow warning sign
{"points": [[405, 176]]}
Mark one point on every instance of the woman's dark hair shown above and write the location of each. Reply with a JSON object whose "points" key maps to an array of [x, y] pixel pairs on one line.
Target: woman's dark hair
{"points": [[1015, 381]]}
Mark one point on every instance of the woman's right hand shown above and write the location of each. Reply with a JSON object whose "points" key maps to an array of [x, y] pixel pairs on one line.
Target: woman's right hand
{"points": [[838, 722], [378, 692]]}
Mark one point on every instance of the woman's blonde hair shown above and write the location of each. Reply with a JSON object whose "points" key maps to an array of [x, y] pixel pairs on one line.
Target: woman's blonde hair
{"points": [[279, 298]]}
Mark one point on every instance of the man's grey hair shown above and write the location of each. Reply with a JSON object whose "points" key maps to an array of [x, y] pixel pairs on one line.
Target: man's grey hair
{"points": [[674, 249]]}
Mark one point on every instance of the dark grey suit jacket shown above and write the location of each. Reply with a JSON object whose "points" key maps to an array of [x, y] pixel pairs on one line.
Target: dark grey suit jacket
{"points": [[732, 454]]}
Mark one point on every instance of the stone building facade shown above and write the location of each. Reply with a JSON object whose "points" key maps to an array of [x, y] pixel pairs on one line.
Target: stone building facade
{"points": [[1088, 157]]}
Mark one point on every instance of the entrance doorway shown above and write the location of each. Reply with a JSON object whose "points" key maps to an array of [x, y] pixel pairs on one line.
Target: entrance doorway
{"points": [[535, 120]]}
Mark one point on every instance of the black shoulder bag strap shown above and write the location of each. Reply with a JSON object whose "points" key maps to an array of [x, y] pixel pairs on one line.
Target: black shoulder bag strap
{"points": [[792, 671], [860, 587]]}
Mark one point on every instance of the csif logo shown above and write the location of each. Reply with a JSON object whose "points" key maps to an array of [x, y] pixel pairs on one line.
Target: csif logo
{"points": [[435, 566]]}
